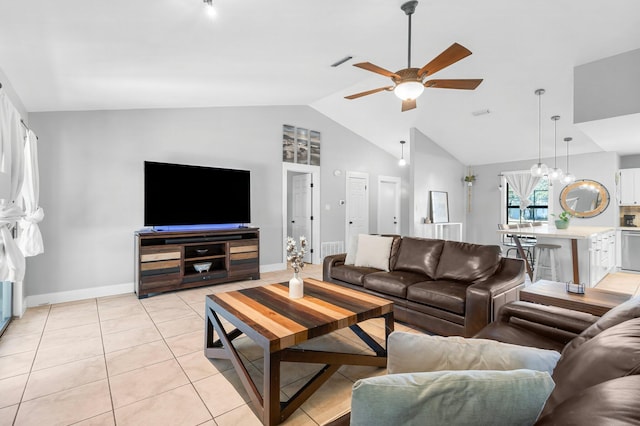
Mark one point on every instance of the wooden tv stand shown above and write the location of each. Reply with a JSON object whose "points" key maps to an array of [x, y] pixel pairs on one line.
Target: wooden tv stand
{"points": [[164, 260]]}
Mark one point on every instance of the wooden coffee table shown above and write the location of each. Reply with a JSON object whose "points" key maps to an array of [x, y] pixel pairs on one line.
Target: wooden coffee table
{"points": [[276, 323], [594, 301]]}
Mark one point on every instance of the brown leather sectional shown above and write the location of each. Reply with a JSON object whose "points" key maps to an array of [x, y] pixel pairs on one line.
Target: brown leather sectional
{"points": [[598, 375], [445, 287]]}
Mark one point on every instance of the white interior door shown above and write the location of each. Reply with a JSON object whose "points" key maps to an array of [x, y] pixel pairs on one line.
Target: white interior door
{"points": [[357, 205], [301, 210], [388, 205]]}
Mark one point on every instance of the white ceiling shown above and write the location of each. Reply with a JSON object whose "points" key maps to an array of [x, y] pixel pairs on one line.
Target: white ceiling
{"points": [[124, 54]]}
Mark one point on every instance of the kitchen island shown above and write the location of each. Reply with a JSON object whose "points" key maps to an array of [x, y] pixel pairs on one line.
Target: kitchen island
{"points": [[594, 244]]}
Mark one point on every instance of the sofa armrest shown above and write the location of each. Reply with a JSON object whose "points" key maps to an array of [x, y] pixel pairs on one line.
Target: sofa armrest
{"points": [[551, 316], [329, 262], [480, 294]]}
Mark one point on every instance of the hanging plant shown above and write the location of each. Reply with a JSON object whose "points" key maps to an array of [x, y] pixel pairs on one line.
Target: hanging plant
{"points": [[470, 179]]}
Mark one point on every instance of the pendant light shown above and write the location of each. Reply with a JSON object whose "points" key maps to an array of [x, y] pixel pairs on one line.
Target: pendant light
{"points": [[539, 169], [402, 161], [568, 177], [555, 173]]}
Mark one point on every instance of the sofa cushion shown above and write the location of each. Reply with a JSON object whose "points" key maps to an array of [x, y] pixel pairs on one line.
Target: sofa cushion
{"points": [[467, 262], [448, 295], [489, 397], [410, 352], [613, 353], [351, 274], [621, 313], [373, 251], [614, 402], [419, 255], [394, 283]]}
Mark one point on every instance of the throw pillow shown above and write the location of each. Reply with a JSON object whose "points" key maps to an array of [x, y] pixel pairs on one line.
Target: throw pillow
{"points": [[487, 397], [410, 352], [351, 251], [373, 251]]}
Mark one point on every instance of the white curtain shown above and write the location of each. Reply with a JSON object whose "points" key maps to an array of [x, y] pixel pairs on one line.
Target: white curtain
{"points": [[29, 237], [523, 184], [12, 263]]}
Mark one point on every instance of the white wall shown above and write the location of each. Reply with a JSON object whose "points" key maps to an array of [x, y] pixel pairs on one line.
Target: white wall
{"points": [[91, 168], [15, 99], [433, 169], [485, 213]]}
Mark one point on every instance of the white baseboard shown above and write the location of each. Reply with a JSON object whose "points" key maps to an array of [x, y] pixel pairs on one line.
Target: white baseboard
{"points": [[107, 290], [73, 295], [273, 267]]}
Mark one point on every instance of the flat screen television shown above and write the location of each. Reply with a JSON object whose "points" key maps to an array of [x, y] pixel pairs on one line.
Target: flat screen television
{"points": [[178, 195]]}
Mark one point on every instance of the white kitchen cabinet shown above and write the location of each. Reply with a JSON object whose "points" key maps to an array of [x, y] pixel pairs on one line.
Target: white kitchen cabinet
{"points": [[629, 187], [602, 256]]}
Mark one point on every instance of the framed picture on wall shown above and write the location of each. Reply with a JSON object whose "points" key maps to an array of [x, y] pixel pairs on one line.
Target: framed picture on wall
{"points": [[439, 206]]}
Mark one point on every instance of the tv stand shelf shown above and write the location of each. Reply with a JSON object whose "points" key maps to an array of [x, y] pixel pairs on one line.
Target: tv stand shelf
{"points": [[165, 260]]}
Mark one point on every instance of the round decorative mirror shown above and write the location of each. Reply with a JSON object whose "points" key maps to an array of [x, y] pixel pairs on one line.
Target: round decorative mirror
{"points": [[584, 198]]}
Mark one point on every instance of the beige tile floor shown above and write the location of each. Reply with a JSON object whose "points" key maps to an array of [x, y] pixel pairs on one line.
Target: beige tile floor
{"points": [[120, 360]]}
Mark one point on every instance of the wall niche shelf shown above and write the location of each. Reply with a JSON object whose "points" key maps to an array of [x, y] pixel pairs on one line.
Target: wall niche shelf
{"points": [[165, 260]]}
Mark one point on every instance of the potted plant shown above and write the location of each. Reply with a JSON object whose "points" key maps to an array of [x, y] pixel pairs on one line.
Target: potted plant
{"points": [[470, 179], [562, 221]]}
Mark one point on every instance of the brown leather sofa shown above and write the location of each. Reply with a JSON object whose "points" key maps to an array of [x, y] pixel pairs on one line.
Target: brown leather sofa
{"points": [[597, 378], [445, 287]]}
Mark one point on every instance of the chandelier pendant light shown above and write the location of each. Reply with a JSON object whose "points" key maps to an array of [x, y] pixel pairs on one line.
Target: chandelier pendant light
{"points": [[568, 177], [539, 169], [402, 161], [555, 174]]}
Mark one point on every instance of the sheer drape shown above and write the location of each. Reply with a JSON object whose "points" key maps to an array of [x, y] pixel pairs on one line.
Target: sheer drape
{"points": [[29, 237], [12, 264], [523, 184]]}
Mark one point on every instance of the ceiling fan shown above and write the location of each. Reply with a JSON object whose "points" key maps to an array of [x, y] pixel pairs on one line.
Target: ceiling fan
{"points": [[409, 83]]}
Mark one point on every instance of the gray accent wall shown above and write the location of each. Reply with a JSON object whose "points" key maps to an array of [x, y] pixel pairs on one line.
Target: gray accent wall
{"points": [[434, 169], [483, 219], [607, 88], [91, 171]]}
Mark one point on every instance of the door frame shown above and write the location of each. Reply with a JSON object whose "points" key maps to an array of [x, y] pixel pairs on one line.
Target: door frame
{"points": [[315, 208], [361, 175], [398, 183]]}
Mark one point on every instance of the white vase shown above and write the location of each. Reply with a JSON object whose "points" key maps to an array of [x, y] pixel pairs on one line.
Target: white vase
{"points": [[296, 287]]}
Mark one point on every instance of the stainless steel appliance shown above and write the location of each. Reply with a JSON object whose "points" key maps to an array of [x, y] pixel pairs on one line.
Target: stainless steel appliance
{"points": [[631, 250], [629, 219]]}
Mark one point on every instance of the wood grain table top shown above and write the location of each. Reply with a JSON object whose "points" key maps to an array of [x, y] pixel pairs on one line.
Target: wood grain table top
{"points": [[594, 301], [274, 321]]}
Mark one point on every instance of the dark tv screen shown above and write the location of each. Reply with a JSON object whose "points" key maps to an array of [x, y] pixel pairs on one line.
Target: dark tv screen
{"points": [[177, 194]]}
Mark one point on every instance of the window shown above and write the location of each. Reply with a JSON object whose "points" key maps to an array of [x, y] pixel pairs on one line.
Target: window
{"points": [[538, 210]]}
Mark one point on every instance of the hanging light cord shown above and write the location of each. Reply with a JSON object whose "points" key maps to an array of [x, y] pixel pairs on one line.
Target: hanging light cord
{"points": [[539, 127], [555, 144], [567, 154]]}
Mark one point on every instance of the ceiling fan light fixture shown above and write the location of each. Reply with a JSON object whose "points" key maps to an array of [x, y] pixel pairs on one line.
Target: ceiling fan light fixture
{"points": [[409, 90]]}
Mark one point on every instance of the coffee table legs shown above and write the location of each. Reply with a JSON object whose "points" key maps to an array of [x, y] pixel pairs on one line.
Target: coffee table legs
{"points": [[268, 406]]}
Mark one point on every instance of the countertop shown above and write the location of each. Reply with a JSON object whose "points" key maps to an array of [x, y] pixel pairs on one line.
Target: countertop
{"points": [[573, 232]]}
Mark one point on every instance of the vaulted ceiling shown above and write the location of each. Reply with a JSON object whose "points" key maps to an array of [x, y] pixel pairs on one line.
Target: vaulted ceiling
{"points": [[122, 54]]}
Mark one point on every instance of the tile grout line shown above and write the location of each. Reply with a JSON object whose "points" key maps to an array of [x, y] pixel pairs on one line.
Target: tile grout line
{"points": [[106, 367], [35, 355]]}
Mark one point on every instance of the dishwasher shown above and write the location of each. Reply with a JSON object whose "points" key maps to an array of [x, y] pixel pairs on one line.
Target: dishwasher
{"points": [[631, 250]]}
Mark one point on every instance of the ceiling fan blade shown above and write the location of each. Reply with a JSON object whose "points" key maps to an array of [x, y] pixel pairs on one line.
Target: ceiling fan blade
{"points": [[374, 68], [409, 104], [453, 54], [468, 84], [368, 92]]}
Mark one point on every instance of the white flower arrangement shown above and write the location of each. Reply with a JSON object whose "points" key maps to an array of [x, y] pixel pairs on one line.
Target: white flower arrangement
{"points": [[296, 257]]}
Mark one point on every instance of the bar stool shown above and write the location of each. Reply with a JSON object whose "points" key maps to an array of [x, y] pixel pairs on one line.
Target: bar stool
{"points": [[546, 252]]}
